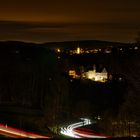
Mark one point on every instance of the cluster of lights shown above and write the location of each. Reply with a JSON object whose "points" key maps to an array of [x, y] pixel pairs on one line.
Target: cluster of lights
{"points": [[130, 48], [97, 76], [92, 75], [82, 51], [58, 50], [79, 50]]}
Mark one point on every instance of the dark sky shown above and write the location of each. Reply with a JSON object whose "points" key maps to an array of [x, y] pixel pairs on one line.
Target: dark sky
{"points": [[60, 20]]}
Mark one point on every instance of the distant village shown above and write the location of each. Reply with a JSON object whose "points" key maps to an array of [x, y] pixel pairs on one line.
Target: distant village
{"points": [[94, 74]]}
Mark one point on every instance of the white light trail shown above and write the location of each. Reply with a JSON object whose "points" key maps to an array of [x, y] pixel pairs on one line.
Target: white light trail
{"points": [[72, 132]]}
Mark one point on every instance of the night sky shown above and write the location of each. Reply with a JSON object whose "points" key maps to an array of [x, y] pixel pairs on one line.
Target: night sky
{"points": [[61, 20]]}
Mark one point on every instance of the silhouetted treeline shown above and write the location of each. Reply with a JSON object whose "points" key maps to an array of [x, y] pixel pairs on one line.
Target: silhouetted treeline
{"points": [[30, 77]]}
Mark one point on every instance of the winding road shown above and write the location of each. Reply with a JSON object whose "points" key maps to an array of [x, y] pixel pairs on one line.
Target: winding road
{"points": [[72, 130]]}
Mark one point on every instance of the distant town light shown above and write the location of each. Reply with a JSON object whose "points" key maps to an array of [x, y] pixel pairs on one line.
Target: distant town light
{"points": [[17, 52], [99, 118], [58, 50], [107, 51], [136, 48], [78, 50], [50, 79], [71, 80], [120, 78], [72, 73], [58, 57]]}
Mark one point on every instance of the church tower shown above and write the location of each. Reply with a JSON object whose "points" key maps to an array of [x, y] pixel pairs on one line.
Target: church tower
{"points": [[94, 68]]}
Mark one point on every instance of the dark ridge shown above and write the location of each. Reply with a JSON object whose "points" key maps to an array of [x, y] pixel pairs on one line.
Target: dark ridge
{"points": [[68, 44], [84, 44]]}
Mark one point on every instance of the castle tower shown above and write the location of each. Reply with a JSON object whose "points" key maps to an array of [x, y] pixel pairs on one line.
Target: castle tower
{"points": [[94, 68]]}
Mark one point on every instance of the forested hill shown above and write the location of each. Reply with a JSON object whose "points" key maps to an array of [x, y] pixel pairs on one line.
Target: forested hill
{"points": [[29, 76]]}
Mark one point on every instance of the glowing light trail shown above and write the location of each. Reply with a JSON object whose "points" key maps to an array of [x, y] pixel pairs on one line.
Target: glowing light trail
{"points": [[16, 133], [72, 131]]}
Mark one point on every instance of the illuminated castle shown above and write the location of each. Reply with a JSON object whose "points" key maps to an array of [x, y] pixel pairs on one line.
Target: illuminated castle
{"points": [[96, 76], [91, 74]]}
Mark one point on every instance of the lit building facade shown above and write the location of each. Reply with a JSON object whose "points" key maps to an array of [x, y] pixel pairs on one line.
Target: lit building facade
{"points": [[91, 74], [97, 76]]}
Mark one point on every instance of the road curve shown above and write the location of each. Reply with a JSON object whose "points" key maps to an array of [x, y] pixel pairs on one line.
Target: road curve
{"points": [[72, 130]]}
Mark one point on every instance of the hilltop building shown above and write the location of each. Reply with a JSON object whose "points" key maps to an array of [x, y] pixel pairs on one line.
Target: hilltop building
{"points": [[96, 76], [91, 74]]}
